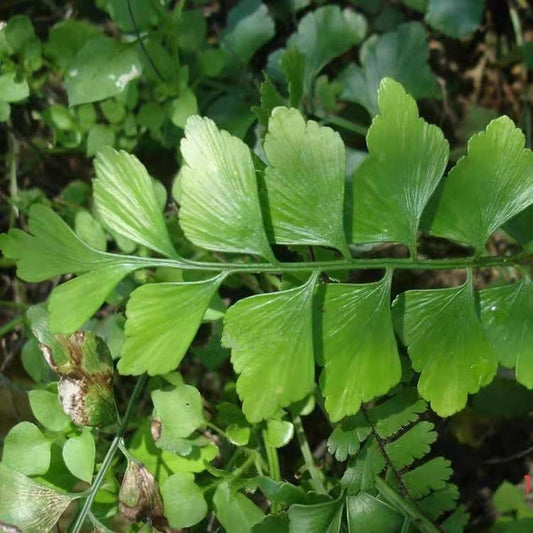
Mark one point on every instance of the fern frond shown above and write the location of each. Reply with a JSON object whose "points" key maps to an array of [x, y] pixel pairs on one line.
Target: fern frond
{"points": [[390, 441]]}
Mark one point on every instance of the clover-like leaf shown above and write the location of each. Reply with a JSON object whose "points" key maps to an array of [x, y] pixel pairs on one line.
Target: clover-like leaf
{"points": [[163, 319], [219, 197], [360, 354], [47, 409], [103, 67], [323, 35], [446, 344], [507, 315], [198, 452], [278, 432], [407, 157], [235, 512], [305, 181], [487, 187], [131, 16], [79, 453], [26, 441], [28, 506], [183, 500], [456, 18], [12, 89], [235, 425], [401, 55], [126, 199], [272, 349], [177, 413], [66, 38]]}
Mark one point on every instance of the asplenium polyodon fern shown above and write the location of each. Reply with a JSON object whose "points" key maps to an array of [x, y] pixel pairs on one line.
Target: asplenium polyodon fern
{"points": [[300, 201], [230, 204]]}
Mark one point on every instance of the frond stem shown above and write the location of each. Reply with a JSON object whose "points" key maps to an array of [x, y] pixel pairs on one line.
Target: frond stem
{"points": [[273, 466], [316, 479], [341, 264]]}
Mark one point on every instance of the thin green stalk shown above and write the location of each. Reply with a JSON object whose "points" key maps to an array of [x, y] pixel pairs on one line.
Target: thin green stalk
{"points": [[316, 477], [10, 326], [341, 264], [250, 460], [110, 455], [273, 460], [13, 305], [141, 43], [218, 430], [13, 147], [273, 466]]}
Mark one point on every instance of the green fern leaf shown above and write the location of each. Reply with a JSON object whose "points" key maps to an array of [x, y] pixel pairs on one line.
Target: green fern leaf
{"points": [[249, 27], [407, 158], [427, 477], [53, 249], [363, 468], [446, 344], [126, 199], [397, 412], [401, 55], [440, 501], [292, 64], [360, 353], [413, 444], [520, 228], [89, 291], [219, 196], [305, 181], [162, 321], [325, 34], [457, 521], [507, 315], [272, 349], [50, 248], [487, 187], [346, 437], [456, 19], [28, 506]]}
